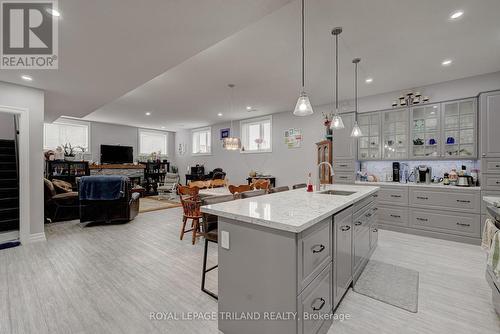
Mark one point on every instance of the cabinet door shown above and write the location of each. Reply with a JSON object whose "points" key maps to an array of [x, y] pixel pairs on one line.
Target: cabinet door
{"points": [[361, 241], [369, 144], [459, 135], [425, 139], [395, 134], [343, 253], [344, 146], [490, 123]]}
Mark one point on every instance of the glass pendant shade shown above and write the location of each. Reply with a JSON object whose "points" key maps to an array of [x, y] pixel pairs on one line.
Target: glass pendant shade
{"points": [[356, 130], [303, 106], [231, 143], [337, 122]]}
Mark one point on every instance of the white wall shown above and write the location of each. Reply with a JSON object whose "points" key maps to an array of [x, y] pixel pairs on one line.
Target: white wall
{"points": [[6, 126], [292, 165], [33, 100]]}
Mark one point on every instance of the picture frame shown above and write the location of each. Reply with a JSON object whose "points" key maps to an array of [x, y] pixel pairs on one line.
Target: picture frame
{"points": [[225, 133]]}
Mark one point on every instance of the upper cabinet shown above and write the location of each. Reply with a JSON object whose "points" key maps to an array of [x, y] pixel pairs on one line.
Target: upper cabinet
{"points": [[369, 147], [395, 134], [490, 123], [344, 146], [459, 135], [425, 139]]}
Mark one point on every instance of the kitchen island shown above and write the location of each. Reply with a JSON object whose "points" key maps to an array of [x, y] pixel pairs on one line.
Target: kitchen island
{"points": [[287, 259]]}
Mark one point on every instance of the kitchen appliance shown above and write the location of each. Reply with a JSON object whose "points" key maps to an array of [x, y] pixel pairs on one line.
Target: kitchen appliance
{"points": [[464, 181], [395, 171], [423, 174]]}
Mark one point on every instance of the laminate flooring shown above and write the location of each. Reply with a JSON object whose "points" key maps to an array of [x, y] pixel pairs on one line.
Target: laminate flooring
{"points": [[109, 278]]}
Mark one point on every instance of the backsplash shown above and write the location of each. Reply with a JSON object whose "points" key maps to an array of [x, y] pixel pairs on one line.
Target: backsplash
{"points": [[382, 168]]}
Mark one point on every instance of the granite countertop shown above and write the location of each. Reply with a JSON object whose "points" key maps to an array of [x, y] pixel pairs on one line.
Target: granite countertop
{"points": [[293, 210], [494, 201], [413, 184]]}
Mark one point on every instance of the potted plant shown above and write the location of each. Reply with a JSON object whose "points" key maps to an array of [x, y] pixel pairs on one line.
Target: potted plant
{"points": [[69, 152]]}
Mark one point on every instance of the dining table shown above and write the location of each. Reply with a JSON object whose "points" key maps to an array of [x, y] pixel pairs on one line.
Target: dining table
{"points": [[219, 191]]}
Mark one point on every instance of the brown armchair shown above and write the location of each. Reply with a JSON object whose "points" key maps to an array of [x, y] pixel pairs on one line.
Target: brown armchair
{"points": [[61, 203]]}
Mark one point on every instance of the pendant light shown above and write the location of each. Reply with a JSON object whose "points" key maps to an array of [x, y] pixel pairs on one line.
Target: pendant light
{"points": [[337, 122], [356, 130], [231, 143], [303, 106]]}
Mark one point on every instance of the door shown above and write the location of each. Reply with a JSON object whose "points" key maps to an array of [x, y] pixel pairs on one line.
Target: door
{"points": [[344, 146], [490, 123], [425, 139], [459, 135], [343, 253]]}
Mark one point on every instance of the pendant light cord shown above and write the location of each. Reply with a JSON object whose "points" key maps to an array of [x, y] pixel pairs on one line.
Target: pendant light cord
{"points": [[336, 73], [356, 92], [303, 47]]}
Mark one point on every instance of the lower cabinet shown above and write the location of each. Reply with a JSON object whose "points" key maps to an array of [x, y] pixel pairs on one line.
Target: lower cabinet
{"points": [[342, 254], [445, 221]]}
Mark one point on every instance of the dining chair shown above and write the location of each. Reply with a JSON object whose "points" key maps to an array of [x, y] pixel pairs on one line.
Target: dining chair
{"points": [[261, 184], [253, 193], [299, 186], [278, 189], [217, 183], [199, 184], [191, 204], [210, 233], [239, 189]]}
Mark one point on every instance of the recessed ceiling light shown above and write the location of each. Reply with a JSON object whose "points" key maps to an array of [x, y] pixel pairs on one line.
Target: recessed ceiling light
{"points": [[148, 114], [446, 62], [219, 114], [369, 80], [53, 12], [26, 77], [249, 108], [456, 15]]}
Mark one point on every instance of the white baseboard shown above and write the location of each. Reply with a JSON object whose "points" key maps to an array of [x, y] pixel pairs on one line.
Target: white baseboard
{"points": [[37, 237], [9, 236]]}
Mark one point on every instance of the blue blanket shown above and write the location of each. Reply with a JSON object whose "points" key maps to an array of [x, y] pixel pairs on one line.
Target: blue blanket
{"points": [[102, 188]]}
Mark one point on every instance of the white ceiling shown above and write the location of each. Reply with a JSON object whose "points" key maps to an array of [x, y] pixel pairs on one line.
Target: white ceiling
{"points": [[109, 47], [401, 43]]}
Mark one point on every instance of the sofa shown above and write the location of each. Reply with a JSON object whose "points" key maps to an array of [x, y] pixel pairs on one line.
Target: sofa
{"points": [[61, 202]]}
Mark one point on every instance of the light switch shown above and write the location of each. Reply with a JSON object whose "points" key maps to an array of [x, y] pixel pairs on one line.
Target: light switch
{"points": [[224, 242]]}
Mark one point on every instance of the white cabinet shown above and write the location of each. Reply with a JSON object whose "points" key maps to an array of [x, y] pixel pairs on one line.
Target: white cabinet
{"points": [[344, 146], [395, 134], [459, 133], [425, 125], [490, 124], [369, 145]]}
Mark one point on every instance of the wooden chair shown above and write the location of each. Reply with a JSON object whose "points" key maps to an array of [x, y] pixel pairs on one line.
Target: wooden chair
{"points": [[239, 189], [199, 184], [191, 204], [278, 189], [261, 184], [253, 193], [209, 231], [299, 186], [217, 183]]}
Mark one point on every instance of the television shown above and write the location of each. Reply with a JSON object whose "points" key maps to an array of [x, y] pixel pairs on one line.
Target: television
{"points": [[116, 154]]}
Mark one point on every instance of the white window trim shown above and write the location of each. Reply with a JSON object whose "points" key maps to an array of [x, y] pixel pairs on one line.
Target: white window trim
{"points": [[141, 130], [207, 128], [65, 120], [258, 119]]}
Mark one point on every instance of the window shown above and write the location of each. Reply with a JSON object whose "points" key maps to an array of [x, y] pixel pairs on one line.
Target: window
{"points": [[202, 141], [66, 131], [256, 134], [152, 141]]}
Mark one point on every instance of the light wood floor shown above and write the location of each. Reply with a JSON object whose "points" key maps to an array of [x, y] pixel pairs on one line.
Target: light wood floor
{"points": [[107, 279]]}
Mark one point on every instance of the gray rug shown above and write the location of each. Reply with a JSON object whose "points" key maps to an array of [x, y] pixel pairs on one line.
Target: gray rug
{"points": [[390, 284]]}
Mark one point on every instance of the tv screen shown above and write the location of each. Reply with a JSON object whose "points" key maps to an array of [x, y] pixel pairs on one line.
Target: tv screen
{"points": [[115, 154]]}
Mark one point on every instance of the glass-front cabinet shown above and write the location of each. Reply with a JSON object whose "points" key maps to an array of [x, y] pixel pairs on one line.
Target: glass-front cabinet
{"points": [[425, 139], [395, 134], [459, 129], [369, 144]]}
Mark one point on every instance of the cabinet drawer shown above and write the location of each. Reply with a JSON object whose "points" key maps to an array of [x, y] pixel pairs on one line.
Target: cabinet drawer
{"points": [[315, 300], [491, 165], [344, 177], [446, 222], [491, 182], [315, 252], [344, 165], [393, 195], [484, 211], [392, 216], [452, 199], [363, 204]]}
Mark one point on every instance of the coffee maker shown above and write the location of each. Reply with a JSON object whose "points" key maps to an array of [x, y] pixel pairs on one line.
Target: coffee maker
{"points": [[423, 174], [395, 171]]}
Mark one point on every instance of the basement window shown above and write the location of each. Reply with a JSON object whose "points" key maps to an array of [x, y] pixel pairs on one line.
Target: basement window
{"points": [[152, 141], [66, 131], [256, 135], [202, 141]]}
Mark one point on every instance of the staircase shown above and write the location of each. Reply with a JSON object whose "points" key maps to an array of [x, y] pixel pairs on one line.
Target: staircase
{"points": [[9, 187]]}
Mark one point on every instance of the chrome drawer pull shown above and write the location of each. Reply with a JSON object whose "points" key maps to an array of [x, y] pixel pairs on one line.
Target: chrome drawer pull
{"points": [[423, 219], [375, 209], [323, 302], [368, 215], [497, 166], [498, 182], [462, 201], [462, 224], [343, 165], [396, 196], [375, 195], [396, 216], [375, 230], [342, 177], [358, 223], [421, 197], [345, 228], [318, 248]]}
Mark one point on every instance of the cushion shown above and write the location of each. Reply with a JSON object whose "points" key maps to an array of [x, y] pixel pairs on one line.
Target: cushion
{"points": [[49, 188], [62, 186]]}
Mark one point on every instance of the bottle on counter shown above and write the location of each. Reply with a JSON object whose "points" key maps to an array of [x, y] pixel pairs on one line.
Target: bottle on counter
{"points": [[474, 173], [446, 179], [453, 176], [309, 184]]}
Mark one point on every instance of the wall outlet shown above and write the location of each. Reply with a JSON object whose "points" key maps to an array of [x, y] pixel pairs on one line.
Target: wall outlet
{"points": [[224, 242]]}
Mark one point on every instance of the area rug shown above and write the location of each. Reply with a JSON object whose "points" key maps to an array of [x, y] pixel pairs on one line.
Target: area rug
{"points": [[153, 203], [390, 284]]}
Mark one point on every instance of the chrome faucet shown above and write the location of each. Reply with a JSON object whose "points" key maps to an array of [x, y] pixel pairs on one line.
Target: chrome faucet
{"points": [[319, 173]]}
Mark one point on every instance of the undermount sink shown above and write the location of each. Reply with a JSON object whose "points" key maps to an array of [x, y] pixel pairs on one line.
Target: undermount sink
{"points": [[337, 192]]}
